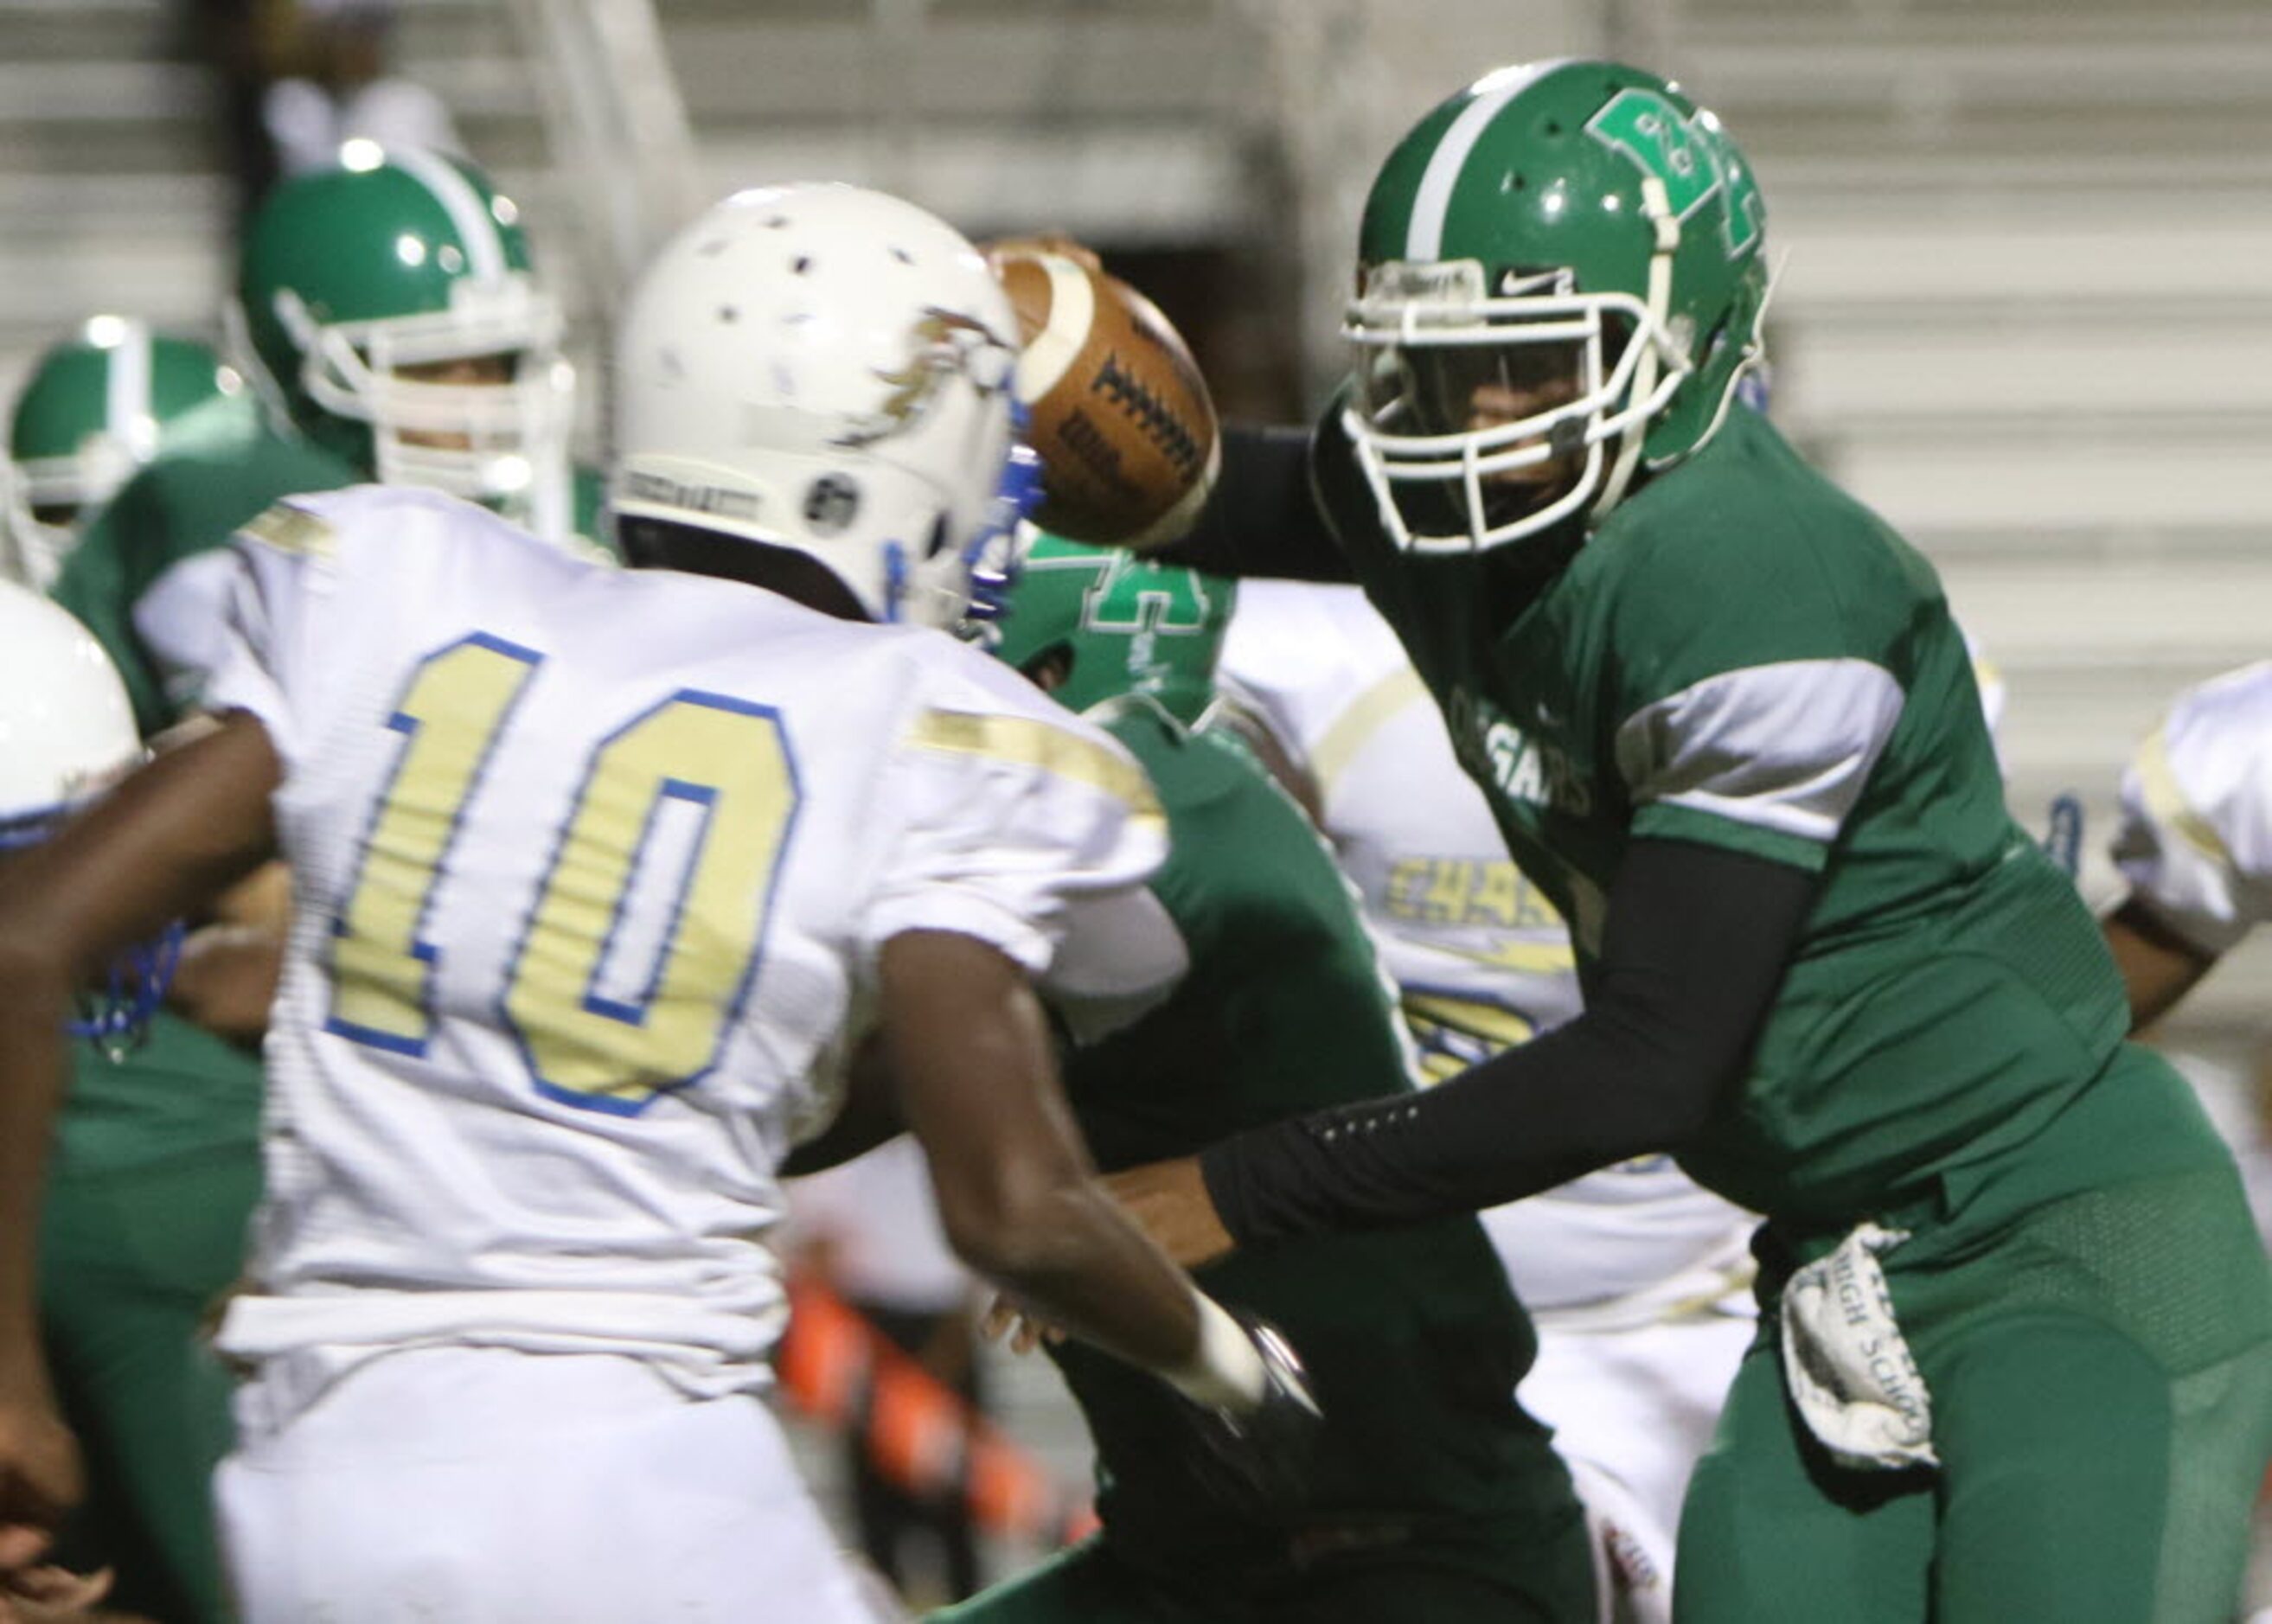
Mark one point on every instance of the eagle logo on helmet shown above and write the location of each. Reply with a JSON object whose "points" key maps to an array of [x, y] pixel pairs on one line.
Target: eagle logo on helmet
{"points": [[943, 343]]}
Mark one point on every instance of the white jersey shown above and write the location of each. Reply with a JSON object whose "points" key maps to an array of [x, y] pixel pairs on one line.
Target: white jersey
{"points": [[2195, 840], [1481, 959], [591, 872]]}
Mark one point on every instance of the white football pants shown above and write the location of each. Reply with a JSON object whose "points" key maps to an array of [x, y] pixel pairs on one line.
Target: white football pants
{"points": [[1632, 1409], [480, 1486]]}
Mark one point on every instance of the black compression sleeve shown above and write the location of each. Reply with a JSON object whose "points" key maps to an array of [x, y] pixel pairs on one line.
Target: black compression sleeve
{"points": [[1262, 519], [1697, 940]]}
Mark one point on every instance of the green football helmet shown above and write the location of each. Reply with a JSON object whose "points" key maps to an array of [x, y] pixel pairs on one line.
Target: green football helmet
{"points": [[1561, 278], [96, 407], [1129, 625], [390, 307]]}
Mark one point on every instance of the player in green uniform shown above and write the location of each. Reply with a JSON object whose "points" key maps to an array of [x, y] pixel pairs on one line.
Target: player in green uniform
{"points": [[1434, 1497], [399, 333], [95, 406], [390, 303], [2017, 1360]]}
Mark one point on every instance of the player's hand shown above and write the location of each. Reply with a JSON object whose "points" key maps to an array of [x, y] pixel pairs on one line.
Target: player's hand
{"points": [[1259, 1459], [1169, 1202], [47, 1594], [39, 1478], [1005, 1316]]}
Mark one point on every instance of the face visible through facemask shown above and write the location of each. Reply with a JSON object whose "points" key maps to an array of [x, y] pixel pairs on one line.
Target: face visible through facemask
{"points": [[492, 371]]}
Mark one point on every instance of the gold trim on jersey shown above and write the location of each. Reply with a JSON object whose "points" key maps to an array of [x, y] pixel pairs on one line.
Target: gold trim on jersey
{"points": [[1029, 743], [294, 530], [2166, 798], [1363, 718]]}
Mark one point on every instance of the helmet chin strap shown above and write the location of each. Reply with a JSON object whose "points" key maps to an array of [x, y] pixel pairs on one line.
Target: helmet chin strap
{"points": [[1658, 209]]}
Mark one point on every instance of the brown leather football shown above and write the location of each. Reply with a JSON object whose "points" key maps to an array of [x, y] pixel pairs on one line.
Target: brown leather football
{"points": [[1119, 413]]}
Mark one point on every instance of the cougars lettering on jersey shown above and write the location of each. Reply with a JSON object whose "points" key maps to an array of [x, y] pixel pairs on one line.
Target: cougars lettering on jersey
{"points": [[2195, 841], [1481, 958], [592, 868]]}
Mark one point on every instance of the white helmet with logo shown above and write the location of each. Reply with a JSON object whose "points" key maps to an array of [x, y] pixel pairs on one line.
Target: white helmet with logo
{"points": [[826, 368]]}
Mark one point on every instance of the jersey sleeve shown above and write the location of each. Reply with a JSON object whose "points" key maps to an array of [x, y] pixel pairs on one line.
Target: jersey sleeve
{"points": [[265, 651], [182, 621], [1752, 691], [1767, 759], [2195, 837], [1033, 831]]}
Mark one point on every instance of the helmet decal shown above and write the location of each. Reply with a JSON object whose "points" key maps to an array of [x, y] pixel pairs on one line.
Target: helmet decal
{"points": [[947, 344], [1694, 159], [1130, 624]]}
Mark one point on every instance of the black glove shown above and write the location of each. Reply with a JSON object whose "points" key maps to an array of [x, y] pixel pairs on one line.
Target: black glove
{"points": [[1258, 1460]]}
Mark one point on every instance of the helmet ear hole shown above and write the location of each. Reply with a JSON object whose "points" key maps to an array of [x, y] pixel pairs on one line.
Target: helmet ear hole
{"points": [[940, 538]]}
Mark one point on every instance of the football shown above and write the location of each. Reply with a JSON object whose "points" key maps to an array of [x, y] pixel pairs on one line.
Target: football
{"points": [[1119, 412]]}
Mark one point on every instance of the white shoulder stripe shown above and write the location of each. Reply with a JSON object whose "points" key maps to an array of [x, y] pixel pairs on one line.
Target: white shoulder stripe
{"points": [[1423, 237], [477, 228], [1785, 747]]}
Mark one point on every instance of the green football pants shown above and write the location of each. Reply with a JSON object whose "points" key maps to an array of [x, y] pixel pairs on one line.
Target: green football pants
{"points": [[2100, 1368], [131, 1260], [1418, 1584], [2078, 1483]]}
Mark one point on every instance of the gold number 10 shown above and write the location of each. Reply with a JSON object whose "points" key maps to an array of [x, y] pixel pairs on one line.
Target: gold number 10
{"points": [[720, 763]]}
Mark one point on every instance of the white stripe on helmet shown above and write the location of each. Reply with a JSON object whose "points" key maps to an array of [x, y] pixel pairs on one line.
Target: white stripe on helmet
{"points": [[128, 412], [1423, 236], [467, 209]]}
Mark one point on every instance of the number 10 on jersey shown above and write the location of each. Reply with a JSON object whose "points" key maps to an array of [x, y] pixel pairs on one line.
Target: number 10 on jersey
{"points": [[640, 946]]}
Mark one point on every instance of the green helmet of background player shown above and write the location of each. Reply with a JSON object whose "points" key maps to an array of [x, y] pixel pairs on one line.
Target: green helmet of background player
{"points": [[391, 304], [1561, 279], [1128, 625], [95, 406]]}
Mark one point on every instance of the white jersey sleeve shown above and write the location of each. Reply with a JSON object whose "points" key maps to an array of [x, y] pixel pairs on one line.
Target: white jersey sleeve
{"points": [[256, 627], [1018, 814], [2195, 839]]}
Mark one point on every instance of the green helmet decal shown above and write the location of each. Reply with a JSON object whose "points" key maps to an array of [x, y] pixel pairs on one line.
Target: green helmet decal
{"points": [[356, 283], [96, 407], [1130, 625], [1580, 225]]}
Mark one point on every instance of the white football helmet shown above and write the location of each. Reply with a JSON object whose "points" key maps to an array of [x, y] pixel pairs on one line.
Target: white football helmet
{"points": [[66, 729], [67, 736], [826, 368]]}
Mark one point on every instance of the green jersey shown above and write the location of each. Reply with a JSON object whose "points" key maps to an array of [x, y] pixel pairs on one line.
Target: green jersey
{"points": [[1412, 1339], [175, 509], [1744, 656]]}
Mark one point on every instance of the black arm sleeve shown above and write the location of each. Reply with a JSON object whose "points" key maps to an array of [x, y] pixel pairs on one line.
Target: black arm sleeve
{"points": [[1263, 517], [1697, 940]]}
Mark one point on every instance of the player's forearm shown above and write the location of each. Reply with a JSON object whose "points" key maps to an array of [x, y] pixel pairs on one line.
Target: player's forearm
{"points": [[1263, 519], [1697, 944], [969, 1048], [2158, 966], [1071, 1258], [36, 995]]}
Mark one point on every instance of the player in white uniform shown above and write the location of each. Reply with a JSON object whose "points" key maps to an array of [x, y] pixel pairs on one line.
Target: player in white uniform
{"points": [[2195, 840], [1637, 1278], [604, 882]]}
